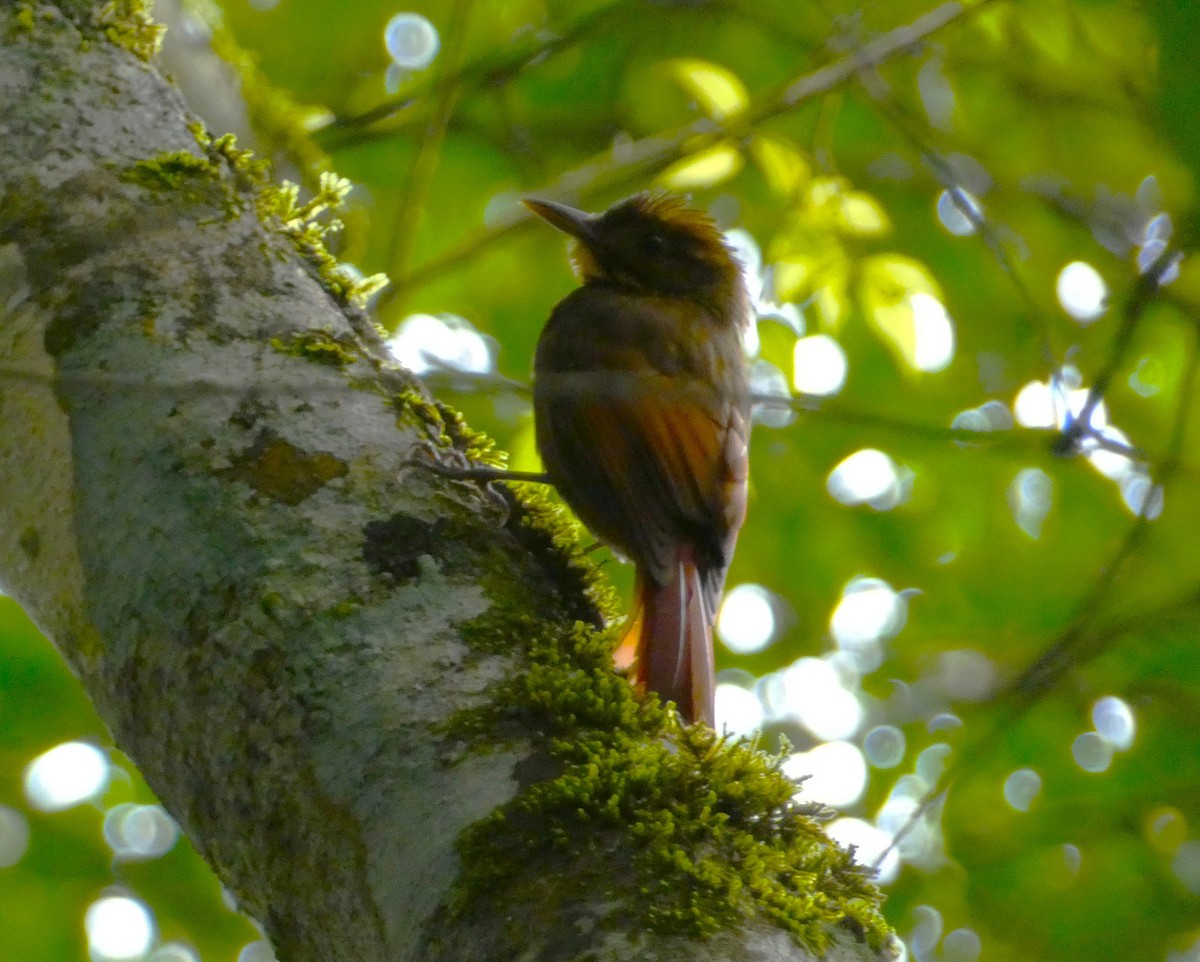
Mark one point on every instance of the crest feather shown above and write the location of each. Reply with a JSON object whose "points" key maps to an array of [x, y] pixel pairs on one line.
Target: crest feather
{"points": [[674, 211]]}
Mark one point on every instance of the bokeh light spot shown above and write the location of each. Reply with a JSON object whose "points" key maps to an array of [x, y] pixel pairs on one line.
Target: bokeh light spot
{"points": [[951, 215], [1165, 829], [746, 621], [768, 382], [884, 746], [139, 831], [927, 931], [1021, 788], [411, 41], [870, 610], [868, 476], [816, 697], [1092, 752], [933, 331], [738, 711], [818, 365], [967, 674], [869, 844], [932, 762], [1030, 498], [1035, 407], [1114, 720], [118, 928], [919, 835], [1148, 256], [745, 248], [14, 836], [961, 945], [260, 951], [1082, 292], [1186, 865], [425, 343], [1147, 378], [944, 721], [1142, 496], [173, 952], [989, 416], [835, 773], [66, 775]]}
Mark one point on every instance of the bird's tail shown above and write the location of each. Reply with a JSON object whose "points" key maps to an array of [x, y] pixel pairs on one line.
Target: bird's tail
{"points": [[669, 642]]}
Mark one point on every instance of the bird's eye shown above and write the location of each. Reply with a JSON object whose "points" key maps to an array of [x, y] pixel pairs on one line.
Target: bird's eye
{"points": [[652, 244]]}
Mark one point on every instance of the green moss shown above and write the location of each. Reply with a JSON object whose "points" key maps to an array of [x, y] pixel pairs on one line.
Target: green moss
{"points": [[171, 170], [542, 511], [321, 347], [707, 828], [128, 24], [688, 833], [304, 225], [22, 18], [477, 446], [344, 609], [282, 125], [413, 408], [178, 172]]}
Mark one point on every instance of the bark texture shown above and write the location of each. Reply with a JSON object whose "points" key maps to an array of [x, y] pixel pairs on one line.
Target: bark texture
{"points": [[204, 502]]}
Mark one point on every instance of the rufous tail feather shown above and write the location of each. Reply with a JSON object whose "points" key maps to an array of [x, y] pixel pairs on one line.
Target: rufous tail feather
{"points": [[669, 642]]}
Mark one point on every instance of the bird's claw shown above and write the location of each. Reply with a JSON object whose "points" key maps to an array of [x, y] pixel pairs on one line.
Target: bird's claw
{"points": [[453, 464]]}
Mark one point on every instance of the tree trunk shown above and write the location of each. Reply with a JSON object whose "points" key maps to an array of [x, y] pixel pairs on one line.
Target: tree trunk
{"points": [[376, 700]]}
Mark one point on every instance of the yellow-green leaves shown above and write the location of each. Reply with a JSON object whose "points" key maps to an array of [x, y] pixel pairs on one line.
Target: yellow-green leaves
{"points": [[903, 303], [719, 94], [704, 168], [717, 91]]}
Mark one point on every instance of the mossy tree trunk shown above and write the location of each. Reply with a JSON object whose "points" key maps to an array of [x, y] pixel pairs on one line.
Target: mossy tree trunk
{"points": [[304, 644]]}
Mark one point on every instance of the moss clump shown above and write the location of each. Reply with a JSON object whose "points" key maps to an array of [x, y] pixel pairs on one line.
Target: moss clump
{"points": [[306, 228], [476, 446], [536, 516], [180, 173], [704, 831], [22, 18], [172, 170], [320, 347], [128, 24], [282, 125], [305, 225], [415, 409], [542, 512]]}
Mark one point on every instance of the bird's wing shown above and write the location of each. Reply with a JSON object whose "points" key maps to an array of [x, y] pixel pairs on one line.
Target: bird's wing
{"points": [[663, 471]]}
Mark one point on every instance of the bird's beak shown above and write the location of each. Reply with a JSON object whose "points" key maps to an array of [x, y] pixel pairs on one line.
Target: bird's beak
{"points": [[577, 223]]}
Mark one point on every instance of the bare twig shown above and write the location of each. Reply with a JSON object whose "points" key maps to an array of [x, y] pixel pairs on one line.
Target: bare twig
{"points": [[1067, 651], [647, 156], [420, 175]]}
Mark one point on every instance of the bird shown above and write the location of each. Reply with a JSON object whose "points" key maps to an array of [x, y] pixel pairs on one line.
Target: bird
{"points": [[641, 409]]}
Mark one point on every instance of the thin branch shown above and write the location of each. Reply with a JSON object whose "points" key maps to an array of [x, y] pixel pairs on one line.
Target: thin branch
{"points": [[424, 165], [645, 157], [354, 130], [1035, 321], [1144, 292], [1067, 651]]}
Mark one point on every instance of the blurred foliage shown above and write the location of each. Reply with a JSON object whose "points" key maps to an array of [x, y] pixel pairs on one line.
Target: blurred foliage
{"points": [[828, 134]]}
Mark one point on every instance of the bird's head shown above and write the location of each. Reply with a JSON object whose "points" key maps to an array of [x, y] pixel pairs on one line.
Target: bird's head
{"points": [[652, 243]]}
